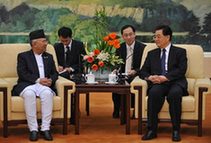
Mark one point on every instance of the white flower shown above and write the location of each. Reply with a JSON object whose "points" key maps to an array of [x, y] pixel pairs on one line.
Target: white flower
{"points": [[103, 56]]}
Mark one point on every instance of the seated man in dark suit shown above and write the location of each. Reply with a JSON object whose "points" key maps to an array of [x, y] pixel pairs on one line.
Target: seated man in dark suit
{"points": [[131, 52], [164, 70], [36, 78], [69, 53]]}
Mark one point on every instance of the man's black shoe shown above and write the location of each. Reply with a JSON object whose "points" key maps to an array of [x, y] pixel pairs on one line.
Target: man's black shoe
{"points": [[33, 136], [116, 114], [149, 135], [72, 121], [47, 135], [176, 136]]}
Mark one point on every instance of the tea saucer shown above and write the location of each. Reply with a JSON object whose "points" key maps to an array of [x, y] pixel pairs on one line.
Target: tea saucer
{"points": [[111, 82], [92, 82]]}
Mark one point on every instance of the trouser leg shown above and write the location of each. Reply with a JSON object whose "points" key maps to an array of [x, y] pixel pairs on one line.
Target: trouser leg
{"points": [[117, 101], [156, 98], [132, 100], [46, 98], [29, 97], [174, 99]]}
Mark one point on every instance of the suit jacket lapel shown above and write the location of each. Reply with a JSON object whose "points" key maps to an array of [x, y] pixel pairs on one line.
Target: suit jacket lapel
{"points": [[72, 51], [157, 57], [136, 53], [45, 62], [124, 52], [62, 54], [171, 57], [34, 65]]}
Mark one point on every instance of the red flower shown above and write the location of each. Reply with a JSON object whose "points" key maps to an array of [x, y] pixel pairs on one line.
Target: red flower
{"points": [[112, 35], [116, 43], [94, 67], [101, 63], [103, 55], [96, 52], [90, 59], [110, 42], [106, 38]]}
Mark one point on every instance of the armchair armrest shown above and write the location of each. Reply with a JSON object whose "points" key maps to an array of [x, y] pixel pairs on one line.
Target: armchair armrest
{"points": [[3, 103], [3, 83], [141, 83], [139, 88], [201, 86], [63, 82], [208, 92], [64, 88], [203, 82]]}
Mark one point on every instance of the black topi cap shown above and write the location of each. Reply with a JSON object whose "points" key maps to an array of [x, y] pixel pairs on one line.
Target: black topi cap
{"points": [[37, 34]]}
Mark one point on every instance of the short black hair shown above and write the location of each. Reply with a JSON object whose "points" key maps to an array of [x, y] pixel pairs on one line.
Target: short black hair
{"points": [[166, 30], [65, 32], [127, 26]]}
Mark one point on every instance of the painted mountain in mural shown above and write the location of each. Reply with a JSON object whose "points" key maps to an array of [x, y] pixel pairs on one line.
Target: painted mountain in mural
{"points": [[199, 8], [184, 16]]}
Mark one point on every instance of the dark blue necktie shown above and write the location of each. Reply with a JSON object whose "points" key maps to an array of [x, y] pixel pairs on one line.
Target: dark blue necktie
{"points": [[67, 59], [163, 59]]}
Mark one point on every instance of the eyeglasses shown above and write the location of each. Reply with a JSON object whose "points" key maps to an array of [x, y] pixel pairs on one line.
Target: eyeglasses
{"points": [[128, 34], [159, 36]]}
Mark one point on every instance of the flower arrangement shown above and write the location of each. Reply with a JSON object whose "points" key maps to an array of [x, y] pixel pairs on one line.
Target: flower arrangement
{"points": [[103, 55]]}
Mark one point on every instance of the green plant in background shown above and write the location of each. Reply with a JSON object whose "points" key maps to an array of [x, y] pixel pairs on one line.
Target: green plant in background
{"points": [[86, 29], [101, 24]]}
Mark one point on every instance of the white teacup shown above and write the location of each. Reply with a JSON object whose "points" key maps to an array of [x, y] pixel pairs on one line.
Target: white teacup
{"points": [[90, 78], [112, 78]]}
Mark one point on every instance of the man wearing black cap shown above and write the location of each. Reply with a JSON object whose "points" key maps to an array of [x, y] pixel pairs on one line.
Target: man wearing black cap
{"points": [[37, 76]]}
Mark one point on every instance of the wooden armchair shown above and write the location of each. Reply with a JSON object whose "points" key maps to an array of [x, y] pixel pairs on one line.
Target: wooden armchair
{"points": [[13, 108], [193, 105]]}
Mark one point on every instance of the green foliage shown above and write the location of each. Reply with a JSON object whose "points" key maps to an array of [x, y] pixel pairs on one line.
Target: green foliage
{"points": [[101, 23], [48, 18], [207, 24], [69, 20], [84, 28], [117, 22]]}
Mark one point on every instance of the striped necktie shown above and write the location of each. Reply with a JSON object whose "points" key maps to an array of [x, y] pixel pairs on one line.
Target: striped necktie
{"points": [[129, 59]]}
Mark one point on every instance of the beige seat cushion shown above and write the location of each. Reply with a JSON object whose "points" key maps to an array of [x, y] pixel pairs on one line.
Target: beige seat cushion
{"points": [[17, 104], [188, 104]]}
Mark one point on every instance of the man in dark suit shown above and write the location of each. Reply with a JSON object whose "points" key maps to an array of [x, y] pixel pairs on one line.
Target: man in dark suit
{"points": [[69, 53], [131, 52], [164, 70], [37, 76]]}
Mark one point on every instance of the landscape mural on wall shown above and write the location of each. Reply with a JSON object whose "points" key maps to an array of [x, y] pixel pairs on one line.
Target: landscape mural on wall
{"points": [[189, 19]]}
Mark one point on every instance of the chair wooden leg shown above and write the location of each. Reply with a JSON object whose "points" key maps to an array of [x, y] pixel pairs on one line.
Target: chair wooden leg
{"points": [[65, 122], [200, 110], [5, 125], [5, 122], [87, 104]]}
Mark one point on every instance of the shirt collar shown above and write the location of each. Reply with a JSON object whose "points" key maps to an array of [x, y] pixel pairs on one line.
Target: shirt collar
{"points": [[69, 45], [167, 48], [131, 46]]}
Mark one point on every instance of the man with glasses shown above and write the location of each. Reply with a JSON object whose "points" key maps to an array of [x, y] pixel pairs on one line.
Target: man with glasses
{"points": [[36, 78], [131, 52], [164, 70]]}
